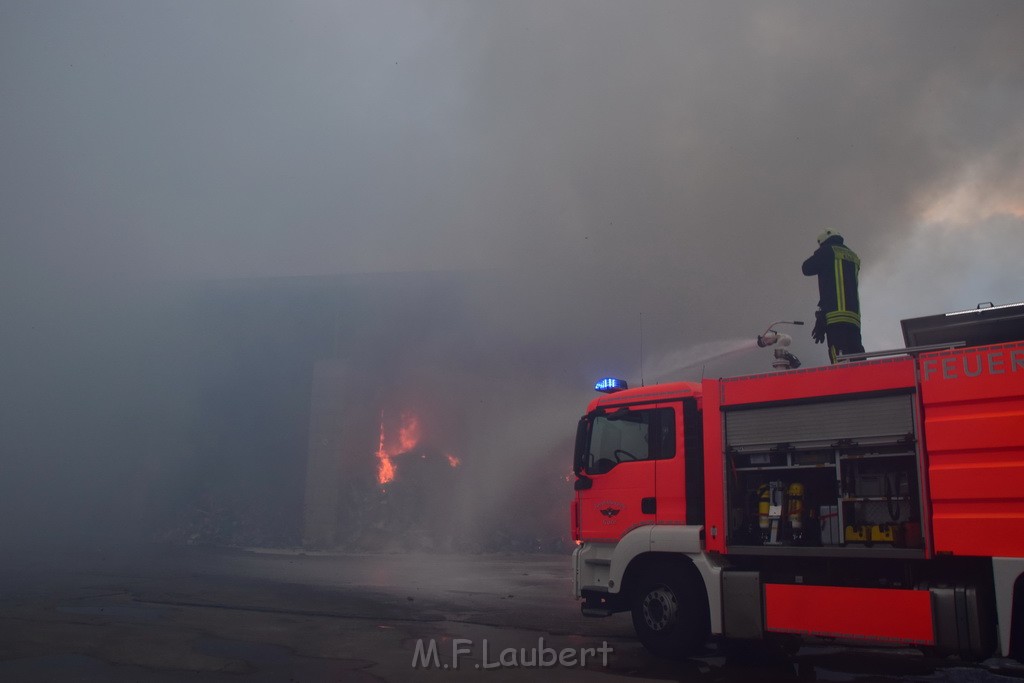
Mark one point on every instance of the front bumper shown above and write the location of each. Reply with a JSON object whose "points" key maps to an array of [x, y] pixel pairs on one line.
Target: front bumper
{"points": [[591, 583], [592, 564]]}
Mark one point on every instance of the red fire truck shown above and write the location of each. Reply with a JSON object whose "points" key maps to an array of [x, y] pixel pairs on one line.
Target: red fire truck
{"points": [[878, 501]]}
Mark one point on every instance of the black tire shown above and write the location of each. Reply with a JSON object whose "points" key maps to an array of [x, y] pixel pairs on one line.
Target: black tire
{"points": [[1017, 621], [670, 610]]}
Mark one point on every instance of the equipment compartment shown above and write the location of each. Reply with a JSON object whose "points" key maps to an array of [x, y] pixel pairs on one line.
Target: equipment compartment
{"points": [[837, 474]]}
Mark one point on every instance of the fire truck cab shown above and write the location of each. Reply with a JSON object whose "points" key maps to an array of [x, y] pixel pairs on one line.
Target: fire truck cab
{"points": [[876, 501]]}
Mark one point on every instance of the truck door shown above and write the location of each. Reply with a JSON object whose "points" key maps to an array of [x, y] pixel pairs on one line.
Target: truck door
{"points": [[679, 477], [619, 452]]}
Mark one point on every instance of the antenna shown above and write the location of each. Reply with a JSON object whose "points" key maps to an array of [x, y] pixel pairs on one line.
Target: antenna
{"points": [[641, 348]]}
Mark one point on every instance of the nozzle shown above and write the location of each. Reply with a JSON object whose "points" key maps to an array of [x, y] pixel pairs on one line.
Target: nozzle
{"points": [[784, 360], [770, 336]]}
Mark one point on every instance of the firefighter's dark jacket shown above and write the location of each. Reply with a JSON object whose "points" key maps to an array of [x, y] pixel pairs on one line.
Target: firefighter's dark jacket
{"points": [[837, 268]]}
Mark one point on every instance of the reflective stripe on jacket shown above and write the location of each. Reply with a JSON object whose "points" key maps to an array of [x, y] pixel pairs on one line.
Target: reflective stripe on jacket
{"points": [[837, 268]]}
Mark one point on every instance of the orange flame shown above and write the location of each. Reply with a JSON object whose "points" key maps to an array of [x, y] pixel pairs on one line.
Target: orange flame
{"points": [[408, 437], [452, 460], [385, 468]]}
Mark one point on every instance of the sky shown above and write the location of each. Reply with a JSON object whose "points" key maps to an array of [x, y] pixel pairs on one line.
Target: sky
{"points": [[697, 147], [618, 175]]}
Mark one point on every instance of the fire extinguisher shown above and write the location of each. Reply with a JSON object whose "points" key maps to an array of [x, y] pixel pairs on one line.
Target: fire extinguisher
{"points": [[764, 504], [795, 509]]}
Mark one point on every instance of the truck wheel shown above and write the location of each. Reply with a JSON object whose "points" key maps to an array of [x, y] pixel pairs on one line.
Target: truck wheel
{"points": [[670, 611], [1017, 621]]}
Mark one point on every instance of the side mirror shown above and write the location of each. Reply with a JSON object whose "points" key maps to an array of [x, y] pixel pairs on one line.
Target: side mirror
{"points": [[583, 482]]}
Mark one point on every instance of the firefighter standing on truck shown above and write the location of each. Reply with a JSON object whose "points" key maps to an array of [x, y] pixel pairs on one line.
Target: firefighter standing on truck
{"points": [[838, 316]]}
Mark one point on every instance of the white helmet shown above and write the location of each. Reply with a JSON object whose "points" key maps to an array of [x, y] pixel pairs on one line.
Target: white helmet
{"points": [[825, 235]]}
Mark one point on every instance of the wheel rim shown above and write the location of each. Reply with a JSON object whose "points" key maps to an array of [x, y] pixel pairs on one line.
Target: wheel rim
{"points": [[660, 609]]}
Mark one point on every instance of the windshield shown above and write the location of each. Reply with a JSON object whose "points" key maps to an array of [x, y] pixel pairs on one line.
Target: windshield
{"points": [[629, 436]]}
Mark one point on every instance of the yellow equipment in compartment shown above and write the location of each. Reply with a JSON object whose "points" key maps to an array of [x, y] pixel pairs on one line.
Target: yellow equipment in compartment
{"points": [[872, 533], [858, 533], [764, 503], [885, 533], [795, 512]]}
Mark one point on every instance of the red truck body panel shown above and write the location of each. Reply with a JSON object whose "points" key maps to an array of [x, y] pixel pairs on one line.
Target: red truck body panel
{"points": [[812, 383], [974, 430], [850, 613], [714, 472]]}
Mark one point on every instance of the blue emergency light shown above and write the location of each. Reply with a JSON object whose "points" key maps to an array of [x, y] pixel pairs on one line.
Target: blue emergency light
{"points": [[609, 385]]}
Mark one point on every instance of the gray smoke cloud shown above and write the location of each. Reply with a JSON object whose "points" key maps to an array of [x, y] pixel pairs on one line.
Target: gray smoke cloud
{"points": [[564, 166]]}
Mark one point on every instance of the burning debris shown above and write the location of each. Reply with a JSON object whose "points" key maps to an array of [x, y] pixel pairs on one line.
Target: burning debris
{"points": [[416, 509], [409, 435], [399, 466], [408, 502]]}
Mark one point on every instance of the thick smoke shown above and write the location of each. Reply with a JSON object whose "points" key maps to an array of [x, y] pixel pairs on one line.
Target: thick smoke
{"points": [[469, 205]]}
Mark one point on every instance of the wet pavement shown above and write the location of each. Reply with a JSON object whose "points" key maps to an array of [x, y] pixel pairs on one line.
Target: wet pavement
{"points": [[209, 614]]}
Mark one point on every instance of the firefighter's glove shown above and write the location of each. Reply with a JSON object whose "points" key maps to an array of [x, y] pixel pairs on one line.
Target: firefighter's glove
{"points": [[818, 333]]}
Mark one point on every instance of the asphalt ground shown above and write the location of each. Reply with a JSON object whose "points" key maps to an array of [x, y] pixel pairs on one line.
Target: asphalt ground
{"points": [[158, 613]]}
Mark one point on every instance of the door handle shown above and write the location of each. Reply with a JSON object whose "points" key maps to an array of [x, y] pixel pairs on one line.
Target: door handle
{"points": [[648, 506]]}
